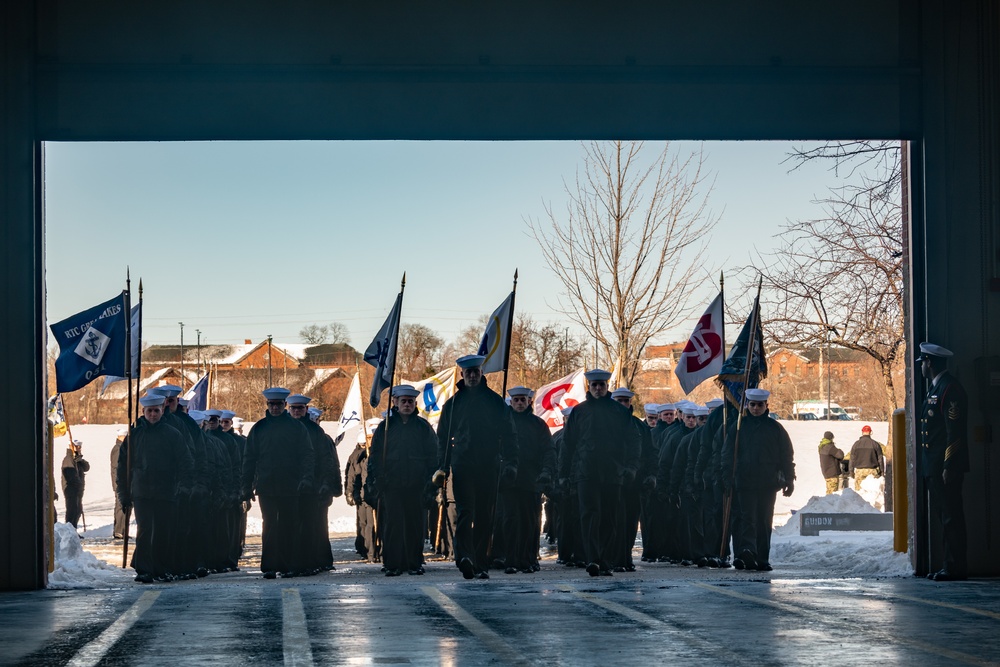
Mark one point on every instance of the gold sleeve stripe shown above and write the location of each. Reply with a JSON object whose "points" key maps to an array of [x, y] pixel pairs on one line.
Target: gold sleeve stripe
{"points": [[951, 450]]}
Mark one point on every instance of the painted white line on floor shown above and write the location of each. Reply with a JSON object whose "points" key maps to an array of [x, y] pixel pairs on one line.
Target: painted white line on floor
{"points": [[493, 641], [295, 633], [884, 636], [93, 652], [947, 605], [719, 653]]}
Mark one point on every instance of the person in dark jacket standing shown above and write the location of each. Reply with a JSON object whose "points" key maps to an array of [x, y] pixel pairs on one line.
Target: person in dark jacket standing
{"points": [[279, 467], [764, 465], [314, 508], [867, 458], [602, 443], [476, 439], [153, 467], [632, 493], [830, 457], [74, 470], [402, 459], [118, 529], [522, 499], [944, 459]]}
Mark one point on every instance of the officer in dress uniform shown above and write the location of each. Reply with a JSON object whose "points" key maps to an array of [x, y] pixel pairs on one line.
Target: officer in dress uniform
{"points": [[944, 458]]}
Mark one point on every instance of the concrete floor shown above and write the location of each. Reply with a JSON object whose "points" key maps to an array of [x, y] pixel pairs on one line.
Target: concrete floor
{"points": [[559, 616]]}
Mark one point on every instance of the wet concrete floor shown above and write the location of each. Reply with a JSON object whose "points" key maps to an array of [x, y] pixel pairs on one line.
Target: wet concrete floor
{"points": [[662, 614]]}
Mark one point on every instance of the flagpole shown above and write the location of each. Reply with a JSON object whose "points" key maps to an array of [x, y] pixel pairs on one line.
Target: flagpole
{"points": [[138, 375], [127, 443], [510, 330], [751, 346], [128, 341]]}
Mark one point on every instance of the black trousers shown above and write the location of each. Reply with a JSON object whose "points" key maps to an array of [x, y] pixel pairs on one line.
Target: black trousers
{"points": [[280, 534], [522, 512], [570, 549], [600, 511], [753, 513], [402, 523], [119, 527], [475, 497], [154, 537], [654, 526], [631, 505], [74, 506], [315, 533], [945, 504]]}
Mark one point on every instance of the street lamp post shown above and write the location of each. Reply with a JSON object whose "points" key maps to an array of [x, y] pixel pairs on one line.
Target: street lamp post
{"points": [[198, 331], [269, 383], [182, 355]]}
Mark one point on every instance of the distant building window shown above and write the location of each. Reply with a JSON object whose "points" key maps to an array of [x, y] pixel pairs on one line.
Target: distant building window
{"points": [[845, 372]]}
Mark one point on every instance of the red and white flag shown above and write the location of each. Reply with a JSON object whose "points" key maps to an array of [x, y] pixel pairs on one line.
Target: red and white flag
{"points": [[565, 392], [703, 355]]}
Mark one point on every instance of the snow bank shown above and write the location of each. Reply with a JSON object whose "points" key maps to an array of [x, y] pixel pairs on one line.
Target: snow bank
{"points": [[845, 501], [842, 554], [75, 568]]}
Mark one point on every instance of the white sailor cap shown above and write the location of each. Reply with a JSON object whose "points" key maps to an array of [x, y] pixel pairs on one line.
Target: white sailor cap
{"points": [[297, 399], [519, 391], [122, 432], [597, 375], [237, 420], [565, 411], [227, 414], [78, 443], [361, 439], [470, 361], [928, 350], [183, 402], [314, 412], [372, 424], [405, 390], [276, 393], [714, 403], [701, 411], [622, 392], [197, 415], [663, 407], [651, 408], [151, 400], [757, 394], [212, 413], [169, 390]]}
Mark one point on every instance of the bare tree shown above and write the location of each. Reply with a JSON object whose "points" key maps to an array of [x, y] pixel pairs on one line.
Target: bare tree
{"points": [[314, 334], [418, 351], [630, 244], [838, 280], [338, 334]]}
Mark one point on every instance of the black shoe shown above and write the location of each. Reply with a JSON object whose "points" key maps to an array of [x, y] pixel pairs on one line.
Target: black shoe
{"points": [[483, 575], [288, 575], [749, 560], [528, 570], [593, 569], [664, 559], [560, 561], [510, 570], [686, 563], [467, 568], [703, 561], [581, 563], [764, 567], [417, 571], [201, 572], [945, 575], [739, 564], [392, 573], [270, 574], [724, 563], [144, 578], [605, 573], [618, 568], [630, 568]]}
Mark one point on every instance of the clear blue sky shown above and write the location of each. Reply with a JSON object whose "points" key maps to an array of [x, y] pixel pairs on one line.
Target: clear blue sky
{"points": [[242, 240]]}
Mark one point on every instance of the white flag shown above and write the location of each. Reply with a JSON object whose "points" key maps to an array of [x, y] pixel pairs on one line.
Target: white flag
{"points": [[703, 355], [350, 414], [563, 393], [381, 352], [434, 393], [495, 344]]}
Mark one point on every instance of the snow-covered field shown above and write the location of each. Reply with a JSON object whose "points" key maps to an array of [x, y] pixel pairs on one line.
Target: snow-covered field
{"points": [[838, 553]]}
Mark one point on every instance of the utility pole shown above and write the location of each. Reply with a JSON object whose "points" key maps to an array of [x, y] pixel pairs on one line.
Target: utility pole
{"points": [[198, 331], [269, 383], [182, 355]]}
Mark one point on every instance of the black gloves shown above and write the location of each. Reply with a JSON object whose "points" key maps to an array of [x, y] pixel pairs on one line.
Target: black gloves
{"points": [[508, 474]]}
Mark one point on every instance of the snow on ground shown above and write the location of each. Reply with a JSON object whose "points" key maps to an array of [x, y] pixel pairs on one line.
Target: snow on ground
{"points": [[839, 553], [75, 568]]}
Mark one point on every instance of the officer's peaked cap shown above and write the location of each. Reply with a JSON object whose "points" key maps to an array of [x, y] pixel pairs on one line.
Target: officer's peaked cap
{"points": [[929, 350]]}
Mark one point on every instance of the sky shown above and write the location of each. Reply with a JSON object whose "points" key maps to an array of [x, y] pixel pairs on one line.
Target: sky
{"points": [[242, 240]]}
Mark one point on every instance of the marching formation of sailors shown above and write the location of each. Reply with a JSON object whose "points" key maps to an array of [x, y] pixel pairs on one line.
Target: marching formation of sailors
{"points": [[689, 476]]}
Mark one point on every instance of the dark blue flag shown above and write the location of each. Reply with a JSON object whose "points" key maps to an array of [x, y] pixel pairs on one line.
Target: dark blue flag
{"points": [[733, 377], [197, 395], [91, 344], [381, 352]]}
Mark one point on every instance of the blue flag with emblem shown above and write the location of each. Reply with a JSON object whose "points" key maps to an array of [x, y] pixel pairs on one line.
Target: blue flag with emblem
{"points": [[494, 345], [381, 353], [736, 375], [91, 344], [136, 346]]}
